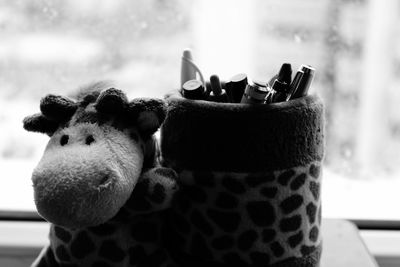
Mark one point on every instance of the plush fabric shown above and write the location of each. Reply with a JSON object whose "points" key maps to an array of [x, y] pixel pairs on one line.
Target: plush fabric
{"points": [[99, 182], [249, 178], [57, 108], [75, 172], [207, 135], [41, 124]]}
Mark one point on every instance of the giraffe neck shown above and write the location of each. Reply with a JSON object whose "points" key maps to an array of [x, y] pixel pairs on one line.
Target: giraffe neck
{"points": [[151, 153]]}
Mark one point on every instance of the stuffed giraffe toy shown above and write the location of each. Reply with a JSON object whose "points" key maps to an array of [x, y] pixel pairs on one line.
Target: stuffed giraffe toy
{"points": [[98, 182]]}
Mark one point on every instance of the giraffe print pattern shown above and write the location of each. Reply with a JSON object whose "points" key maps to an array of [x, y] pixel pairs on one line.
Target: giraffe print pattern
{"points": [[132, 238], [112, 244], [247, 219]]}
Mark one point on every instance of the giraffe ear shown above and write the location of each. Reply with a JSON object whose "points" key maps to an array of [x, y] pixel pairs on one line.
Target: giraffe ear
{"points": [[149, 114], [55, 110], [41, 124]]}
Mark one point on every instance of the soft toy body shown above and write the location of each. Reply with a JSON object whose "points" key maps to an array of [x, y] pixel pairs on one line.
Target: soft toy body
{"points": [[98, 182]]}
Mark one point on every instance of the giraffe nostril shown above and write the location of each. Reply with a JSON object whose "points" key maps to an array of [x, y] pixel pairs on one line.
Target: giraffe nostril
{"points": [[64, 140], [89, 140]]}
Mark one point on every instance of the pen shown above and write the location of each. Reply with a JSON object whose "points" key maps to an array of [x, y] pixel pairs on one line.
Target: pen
{"points": [[281, 85], [263, 86], [217, 93], [304, 82], [294, 84], [254, 94], [194, 90], [209, 89], [236, 87], [189, 70]]}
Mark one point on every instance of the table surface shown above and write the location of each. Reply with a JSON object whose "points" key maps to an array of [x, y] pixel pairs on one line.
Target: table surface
{"points": [[343, 246]]}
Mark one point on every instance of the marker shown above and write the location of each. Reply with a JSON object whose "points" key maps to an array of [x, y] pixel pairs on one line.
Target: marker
{"points": [[254, 94], [194, 90], [265, 87], [295, 84], [304, 82], [217, 93], [260, 83], [271, 81], [208, 85], [281, 85], [236, 87]]}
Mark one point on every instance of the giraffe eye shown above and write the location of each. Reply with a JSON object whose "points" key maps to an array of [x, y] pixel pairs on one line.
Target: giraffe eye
{"points": [[64, 140], [89, 139]]}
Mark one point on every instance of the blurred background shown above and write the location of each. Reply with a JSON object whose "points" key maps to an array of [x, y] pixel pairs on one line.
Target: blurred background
{"points": [[56, 46]]}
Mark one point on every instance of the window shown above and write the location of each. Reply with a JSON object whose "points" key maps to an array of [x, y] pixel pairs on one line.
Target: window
{"points": [[55, 46]]}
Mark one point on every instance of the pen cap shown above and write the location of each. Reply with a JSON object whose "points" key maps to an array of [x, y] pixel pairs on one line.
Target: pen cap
{"points": [[188, 72], [260, 83], [307, 69], [280, 86], [256, 91], [237, 85], [193, 89], [285, 73], [295, 82], [239, 79], [308, 72], [304, 82]]}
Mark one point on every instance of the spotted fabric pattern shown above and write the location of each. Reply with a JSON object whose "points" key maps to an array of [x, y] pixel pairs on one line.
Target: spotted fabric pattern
{"points": [[136, 242], [132, 238], [253, 219]]}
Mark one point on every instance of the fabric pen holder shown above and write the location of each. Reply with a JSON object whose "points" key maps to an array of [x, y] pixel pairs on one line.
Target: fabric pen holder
{"points": [[250, 179]]}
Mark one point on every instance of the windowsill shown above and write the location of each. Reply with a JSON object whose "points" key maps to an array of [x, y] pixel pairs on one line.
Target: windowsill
{"points": [[24, 240], [19, 215], [18, 194], [384, 245]]}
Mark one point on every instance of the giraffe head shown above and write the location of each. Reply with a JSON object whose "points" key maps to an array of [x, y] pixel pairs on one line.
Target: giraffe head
{"points": [[98, 146]]}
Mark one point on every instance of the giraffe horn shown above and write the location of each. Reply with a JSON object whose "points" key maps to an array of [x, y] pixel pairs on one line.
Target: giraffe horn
{"points": [[58, 108], [112, 101]]}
